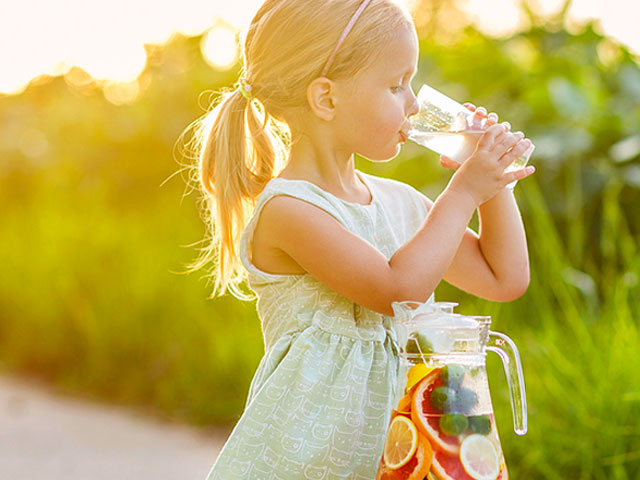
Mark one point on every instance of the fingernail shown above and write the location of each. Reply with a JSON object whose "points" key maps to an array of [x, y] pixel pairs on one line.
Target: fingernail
{"points": [[530, 169]]}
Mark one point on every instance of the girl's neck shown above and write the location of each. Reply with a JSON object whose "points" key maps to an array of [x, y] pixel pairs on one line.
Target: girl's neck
{"points": [[320, 164]]}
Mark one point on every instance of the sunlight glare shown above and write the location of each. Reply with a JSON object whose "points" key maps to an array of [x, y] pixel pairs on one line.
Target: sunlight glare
{"points": [[120, 93], [616, 18], [499, 18], [107, 38], [120, 61], [238, 14], [219, 47], [546, 8]]}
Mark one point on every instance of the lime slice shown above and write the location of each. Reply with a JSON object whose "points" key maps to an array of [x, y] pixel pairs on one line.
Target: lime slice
{"points": [[479, 457]]}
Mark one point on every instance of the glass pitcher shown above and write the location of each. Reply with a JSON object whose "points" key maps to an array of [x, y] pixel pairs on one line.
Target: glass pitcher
{"points": [[443, 426]]}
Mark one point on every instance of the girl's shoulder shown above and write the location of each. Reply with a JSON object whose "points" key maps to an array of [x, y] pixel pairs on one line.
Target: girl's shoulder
{"points": [[391, 191]]}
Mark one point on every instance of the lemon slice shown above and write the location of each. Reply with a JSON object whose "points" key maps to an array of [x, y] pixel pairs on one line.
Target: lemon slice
{"points": [[415, 374], [479, 457], [401, 442]]}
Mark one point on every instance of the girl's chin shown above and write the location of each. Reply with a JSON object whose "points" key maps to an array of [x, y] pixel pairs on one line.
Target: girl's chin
{"points": [[380, 159], [382, 154]]}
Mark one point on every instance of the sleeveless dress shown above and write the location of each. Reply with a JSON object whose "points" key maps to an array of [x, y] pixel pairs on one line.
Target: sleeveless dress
{"points": [[321, 399]]}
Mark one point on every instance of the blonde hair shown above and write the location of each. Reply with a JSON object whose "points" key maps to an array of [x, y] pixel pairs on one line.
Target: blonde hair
{"points": [[242, 143]]}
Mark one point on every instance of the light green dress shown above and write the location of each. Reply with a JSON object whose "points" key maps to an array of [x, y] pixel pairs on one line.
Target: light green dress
{"points": [[321, 398]]}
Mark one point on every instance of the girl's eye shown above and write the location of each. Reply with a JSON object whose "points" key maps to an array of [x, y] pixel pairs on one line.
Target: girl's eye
{"points": [[397, 88]]}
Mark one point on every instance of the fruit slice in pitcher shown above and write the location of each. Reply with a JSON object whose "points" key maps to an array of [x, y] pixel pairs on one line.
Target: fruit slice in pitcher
{"points": [[415, 374], [416, 468], [427, 418], [480, 458], [401, 442], [448, 467]]}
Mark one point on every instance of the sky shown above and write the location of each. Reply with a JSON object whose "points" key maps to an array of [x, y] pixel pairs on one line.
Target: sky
{"points": [[106, 39]]}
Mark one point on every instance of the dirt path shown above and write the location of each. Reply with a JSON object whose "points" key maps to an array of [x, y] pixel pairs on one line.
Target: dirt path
{"points": [[45, 435]]}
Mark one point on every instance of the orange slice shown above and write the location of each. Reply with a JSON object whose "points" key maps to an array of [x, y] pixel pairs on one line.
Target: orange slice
{"points": [[415, 469], [404, 405], [401, 442]]}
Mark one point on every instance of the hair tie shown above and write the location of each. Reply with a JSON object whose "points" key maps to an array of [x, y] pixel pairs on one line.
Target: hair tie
{"points": [[346, 31], [245, 88]]}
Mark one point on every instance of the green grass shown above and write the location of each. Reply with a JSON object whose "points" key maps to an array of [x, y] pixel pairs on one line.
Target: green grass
{"points": [[90, 302]]}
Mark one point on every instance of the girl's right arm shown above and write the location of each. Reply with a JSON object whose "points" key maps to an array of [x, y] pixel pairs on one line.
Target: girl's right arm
{"points": [[354, 268]]}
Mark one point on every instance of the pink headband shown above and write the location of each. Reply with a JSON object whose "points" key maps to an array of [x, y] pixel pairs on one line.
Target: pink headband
{"points": [[347, 29]]}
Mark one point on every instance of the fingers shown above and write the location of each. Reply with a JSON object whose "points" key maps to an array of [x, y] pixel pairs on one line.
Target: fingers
{"points": [[506, 141], [489, 138], [448, 163], [510, 177], [479, 118], [516, 152]]}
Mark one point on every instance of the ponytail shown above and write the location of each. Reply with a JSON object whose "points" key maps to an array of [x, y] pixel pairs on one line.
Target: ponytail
{"points": [[240, 147], [242, 143]]}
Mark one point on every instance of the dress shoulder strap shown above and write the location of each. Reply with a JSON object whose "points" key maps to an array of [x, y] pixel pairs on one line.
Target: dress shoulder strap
{"points": [[347, 213]]}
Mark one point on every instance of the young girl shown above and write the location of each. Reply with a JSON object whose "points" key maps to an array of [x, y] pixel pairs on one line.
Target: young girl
{"points": [[327, 248]]}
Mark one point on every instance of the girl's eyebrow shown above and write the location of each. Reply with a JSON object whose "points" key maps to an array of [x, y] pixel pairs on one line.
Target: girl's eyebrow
{"points": [[410, 73]]}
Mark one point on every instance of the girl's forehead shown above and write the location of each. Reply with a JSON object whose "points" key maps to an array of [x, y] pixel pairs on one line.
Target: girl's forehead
{"points": [[400, 55]]}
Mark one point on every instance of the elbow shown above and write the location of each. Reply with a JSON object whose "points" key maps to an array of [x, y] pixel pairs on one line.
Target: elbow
{"points": [[402, 292], [515, 293], [514, 289]]}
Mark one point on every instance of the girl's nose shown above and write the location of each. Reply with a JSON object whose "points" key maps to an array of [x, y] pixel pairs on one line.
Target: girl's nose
{"points": [[415, 107]]}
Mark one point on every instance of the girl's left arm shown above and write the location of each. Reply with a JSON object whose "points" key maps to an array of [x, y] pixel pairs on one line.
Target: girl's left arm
{"points": [[493, 264]]}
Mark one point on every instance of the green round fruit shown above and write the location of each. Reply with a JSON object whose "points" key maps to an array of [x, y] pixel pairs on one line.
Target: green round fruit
{"points": [[465, 400], [418, 343], [412, 345], [453, 424], [452, 375], [443, 399], [480, 424]]}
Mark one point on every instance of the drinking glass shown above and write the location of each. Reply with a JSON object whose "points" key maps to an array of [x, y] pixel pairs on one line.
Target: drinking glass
{"points": [[447, 128]]}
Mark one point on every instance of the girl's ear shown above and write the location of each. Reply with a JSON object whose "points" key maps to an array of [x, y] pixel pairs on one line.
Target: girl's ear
{"points": [[321, 95]]}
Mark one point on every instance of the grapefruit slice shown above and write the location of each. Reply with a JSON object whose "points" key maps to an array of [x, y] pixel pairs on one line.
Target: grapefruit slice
{"points": [[401, 443], [448, 467], [427, 419]]}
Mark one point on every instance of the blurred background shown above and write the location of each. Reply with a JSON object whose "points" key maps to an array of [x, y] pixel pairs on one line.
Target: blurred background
{"points": [[97, 223]]}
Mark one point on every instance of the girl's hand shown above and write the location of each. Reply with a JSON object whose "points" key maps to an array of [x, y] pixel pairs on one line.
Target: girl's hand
{"points": [[483, 174], [481, 115], [478, 123]]}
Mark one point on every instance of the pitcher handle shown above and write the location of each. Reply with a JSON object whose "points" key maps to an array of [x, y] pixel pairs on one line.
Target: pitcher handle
{"points": [[508, 352]]}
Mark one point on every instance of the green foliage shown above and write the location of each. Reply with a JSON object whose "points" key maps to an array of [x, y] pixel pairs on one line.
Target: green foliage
{"points": [[91, 243]]}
